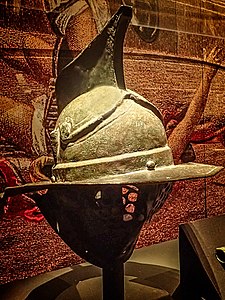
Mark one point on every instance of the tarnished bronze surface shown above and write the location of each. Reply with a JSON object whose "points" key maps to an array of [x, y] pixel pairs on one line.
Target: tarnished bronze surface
{"points": [[159, 175], [109, 135]]}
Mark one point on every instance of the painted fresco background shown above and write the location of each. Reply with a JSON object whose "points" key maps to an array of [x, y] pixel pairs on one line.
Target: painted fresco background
{"points": [[180, 64]]}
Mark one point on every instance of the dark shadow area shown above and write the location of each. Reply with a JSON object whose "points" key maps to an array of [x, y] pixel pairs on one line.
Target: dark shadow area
{"points": [[161, 280]]}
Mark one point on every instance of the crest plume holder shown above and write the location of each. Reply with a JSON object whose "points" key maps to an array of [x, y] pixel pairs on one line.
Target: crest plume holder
{"points": [[101, 63]]}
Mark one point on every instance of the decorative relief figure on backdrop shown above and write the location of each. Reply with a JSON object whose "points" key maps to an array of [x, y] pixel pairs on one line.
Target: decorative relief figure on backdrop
{"points": [[180, 137]]}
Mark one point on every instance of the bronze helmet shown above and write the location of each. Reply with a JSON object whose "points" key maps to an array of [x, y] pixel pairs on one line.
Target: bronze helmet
{"points": [[111, 135], [105, 133]]}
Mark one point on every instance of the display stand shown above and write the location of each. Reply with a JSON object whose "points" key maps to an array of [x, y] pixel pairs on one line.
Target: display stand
{"points": [[113, 282]]}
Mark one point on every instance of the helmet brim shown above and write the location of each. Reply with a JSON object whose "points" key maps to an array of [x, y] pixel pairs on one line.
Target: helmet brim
{"points": [[159, 175]]}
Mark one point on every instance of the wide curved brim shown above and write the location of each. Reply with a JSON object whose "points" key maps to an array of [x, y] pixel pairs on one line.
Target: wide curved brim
{"points": [[160, 174], [143, 177]]}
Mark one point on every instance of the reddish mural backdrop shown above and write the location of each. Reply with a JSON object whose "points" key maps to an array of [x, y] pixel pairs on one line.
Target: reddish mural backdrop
{"points": [[173, 55]]}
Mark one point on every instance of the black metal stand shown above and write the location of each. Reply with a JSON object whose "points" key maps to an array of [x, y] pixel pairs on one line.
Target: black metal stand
{"points": [[113, 282]]}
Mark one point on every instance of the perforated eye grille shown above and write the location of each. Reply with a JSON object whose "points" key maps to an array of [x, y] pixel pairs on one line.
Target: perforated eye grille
{"points": [[129, 198]]}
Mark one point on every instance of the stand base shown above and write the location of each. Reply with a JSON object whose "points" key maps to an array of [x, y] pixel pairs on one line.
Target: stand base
{"points": [[143, 279], [91, 289]]}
